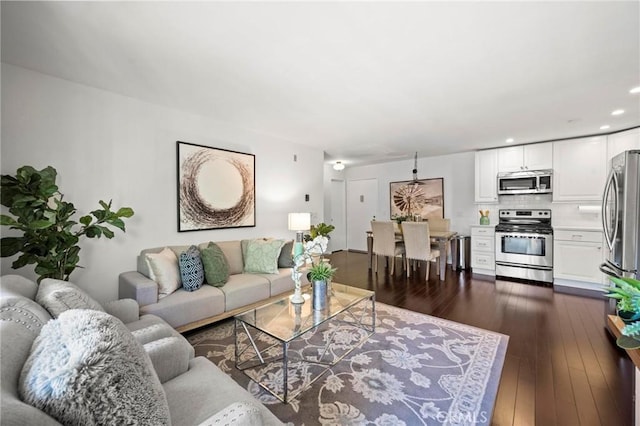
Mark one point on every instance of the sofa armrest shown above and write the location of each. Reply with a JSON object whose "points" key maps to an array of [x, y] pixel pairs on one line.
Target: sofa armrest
{"points": [[169, 356], [238, 413], [134, 285], [126, 310]]}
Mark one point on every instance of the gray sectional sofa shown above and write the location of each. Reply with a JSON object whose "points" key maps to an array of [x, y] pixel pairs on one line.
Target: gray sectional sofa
{"points": [[192, 391], [186, 310]]}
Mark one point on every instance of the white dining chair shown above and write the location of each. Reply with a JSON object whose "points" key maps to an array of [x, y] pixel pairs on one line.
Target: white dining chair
{"points": [[443, 225], [385, 243], [417, 243]]}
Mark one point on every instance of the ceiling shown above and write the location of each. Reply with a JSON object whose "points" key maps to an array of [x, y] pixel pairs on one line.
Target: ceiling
{"points": [[365, 81]]}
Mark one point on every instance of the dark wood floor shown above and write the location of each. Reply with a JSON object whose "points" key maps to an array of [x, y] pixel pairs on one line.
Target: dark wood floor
{"points": [[561, 367]]}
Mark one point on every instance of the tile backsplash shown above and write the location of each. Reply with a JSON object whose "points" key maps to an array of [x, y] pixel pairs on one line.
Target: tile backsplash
{"points": [[563, 214]]}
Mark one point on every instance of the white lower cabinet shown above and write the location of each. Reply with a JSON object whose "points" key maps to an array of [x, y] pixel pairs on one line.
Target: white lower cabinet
{"points": [[577, 257], [483, 252]]}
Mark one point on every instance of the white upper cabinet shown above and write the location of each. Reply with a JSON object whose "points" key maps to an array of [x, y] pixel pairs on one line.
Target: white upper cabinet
{"points": [[537, 156], [486, 176], [579, 169], [623, 141]]}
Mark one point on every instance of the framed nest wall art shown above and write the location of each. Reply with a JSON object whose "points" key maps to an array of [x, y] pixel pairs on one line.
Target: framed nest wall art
{"points": [[422, 197], [216, 188]]}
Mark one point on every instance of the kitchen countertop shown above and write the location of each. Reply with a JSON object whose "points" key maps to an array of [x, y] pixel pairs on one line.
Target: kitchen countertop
{"points": [[577, 228]]}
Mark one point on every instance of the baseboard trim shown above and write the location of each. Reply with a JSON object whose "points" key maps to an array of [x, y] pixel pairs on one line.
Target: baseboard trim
{"points": [[577, 291]]}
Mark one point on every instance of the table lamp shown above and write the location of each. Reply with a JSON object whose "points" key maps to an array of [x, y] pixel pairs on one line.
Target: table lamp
{"points": [[298, 222]]}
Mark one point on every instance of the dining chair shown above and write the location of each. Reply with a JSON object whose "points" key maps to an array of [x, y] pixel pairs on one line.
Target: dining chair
{"points": [[443, 225], [385, 243], [417, 243]]}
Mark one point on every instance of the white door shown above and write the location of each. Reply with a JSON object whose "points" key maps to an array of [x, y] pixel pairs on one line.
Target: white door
{"points": [[362, 202], [338, 216]]}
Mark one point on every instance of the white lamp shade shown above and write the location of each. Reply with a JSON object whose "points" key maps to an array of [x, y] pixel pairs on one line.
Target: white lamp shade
{"points": [[299, 221]]}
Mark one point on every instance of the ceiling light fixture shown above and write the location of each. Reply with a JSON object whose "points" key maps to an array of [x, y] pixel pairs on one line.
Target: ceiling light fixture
{"points": [[415, 167], [635, 90], [338, 166], [618, 112], [510, 140], [605, 127]]}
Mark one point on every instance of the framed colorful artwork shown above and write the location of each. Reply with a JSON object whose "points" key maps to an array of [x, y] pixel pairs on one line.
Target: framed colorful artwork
{"points": [[422, 197]]}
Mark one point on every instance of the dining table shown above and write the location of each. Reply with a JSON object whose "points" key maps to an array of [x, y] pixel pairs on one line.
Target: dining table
{"points": [[441, 237]]}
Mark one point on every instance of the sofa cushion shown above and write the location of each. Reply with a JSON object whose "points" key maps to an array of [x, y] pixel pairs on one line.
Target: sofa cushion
{"points": [[262, 256], [58, 296], [286, 255], [206, 389], [191, 269], [150, 327], [216, 268], [17, 285], [184, 307], [86, 368], [25, 312], [282, 281], [244, 289], [164, 270]]}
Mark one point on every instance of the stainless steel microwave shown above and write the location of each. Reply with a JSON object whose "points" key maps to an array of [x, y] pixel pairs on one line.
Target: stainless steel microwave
{"points": [[526, 182]]}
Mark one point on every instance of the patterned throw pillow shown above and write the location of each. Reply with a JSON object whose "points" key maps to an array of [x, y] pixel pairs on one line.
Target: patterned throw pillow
{"points": [[216, 267], [191, 269], [262, 256]]}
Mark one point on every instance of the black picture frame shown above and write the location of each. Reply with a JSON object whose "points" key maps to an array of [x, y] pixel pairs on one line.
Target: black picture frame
{"points": [[422, 197], [216, 188]]}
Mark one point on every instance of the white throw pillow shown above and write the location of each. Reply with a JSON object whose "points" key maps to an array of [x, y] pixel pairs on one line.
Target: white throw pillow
{"points": [[165, 271]]}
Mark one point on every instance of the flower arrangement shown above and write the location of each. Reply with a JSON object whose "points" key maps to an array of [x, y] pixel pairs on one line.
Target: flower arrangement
{"points": [[312, 252]]}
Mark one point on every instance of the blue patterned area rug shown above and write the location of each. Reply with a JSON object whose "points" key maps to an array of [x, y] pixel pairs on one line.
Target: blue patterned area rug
{"points": [[415, 370]]}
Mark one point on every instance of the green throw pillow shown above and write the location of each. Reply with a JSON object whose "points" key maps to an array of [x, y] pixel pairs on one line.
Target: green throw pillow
{"points": [[262, 256], [216, 267]]}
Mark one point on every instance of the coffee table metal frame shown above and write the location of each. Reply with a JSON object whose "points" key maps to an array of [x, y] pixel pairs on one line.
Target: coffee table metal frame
{"points": [[285, 322]]}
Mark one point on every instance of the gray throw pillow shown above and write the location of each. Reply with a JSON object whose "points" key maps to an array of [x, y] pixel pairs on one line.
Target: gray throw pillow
{"points": [[286, 255], [86, 368], [216, 267], [57, 296]]}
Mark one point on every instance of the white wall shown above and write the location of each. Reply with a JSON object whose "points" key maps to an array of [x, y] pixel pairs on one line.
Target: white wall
{"points": [[457, 171], [105, 145]]}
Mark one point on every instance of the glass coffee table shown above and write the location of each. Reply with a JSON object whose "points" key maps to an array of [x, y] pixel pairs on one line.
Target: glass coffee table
{"points": [[285, 347]]}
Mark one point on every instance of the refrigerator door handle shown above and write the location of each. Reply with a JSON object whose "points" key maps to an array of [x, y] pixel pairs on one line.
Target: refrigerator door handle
{"points": [[612, 180], [608, 269]]}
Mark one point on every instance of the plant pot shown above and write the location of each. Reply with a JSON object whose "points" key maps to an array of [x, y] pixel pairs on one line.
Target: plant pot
{"points": [[629, 316], [319, 301]]}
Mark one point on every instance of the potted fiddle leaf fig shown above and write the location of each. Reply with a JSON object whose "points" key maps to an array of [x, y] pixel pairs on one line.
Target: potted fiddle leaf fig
{"points": [[49, 235], [627, 293]]}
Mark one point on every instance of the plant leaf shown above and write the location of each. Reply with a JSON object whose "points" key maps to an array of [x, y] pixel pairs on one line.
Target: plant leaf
{"points": [[86, 220], [10, 246], [125, 212]]}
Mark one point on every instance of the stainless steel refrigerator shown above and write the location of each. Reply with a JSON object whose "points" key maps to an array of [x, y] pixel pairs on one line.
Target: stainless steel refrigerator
{"points": [[621, 216], [621, 222]]}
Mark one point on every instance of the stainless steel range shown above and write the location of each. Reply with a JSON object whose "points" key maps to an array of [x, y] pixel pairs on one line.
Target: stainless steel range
{"points": [[524, 245]]}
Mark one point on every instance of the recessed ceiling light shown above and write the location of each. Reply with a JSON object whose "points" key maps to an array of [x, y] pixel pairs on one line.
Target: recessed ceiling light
{"points": [[510, 140], [635, 90], [605, 127], [617, 112]]}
